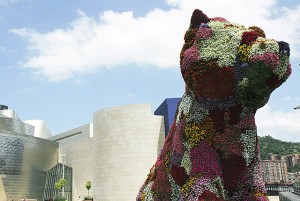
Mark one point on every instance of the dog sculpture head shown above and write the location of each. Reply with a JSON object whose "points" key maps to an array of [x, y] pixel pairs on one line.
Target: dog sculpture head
{"points": [[222, 60]]}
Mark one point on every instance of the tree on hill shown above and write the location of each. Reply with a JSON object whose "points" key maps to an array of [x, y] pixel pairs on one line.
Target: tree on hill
{"points": [[270, 145]]}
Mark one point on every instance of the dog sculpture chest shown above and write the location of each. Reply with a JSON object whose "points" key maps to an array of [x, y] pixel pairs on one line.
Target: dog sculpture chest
{"points": [[211, 151]]}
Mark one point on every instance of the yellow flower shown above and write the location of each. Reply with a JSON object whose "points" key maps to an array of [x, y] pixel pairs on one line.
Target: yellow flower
{"points": [[194, 134], [197, 132], [143, 196], [259, 194], [167, 162], [244, 51], [187, 186]]}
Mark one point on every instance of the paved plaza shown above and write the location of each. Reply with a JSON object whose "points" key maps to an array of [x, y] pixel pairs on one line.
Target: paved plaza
{"points": [[273, 198]]}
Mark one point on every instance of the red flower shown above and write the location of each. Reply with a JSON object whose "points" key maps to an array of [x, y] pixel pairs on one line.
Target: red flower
{"points": [[203, 33], [287, 73], [220, 19], [273, 82], [177, 142], [179, 175], [258, 30], [249, 37], [205, 161], [271, 60], [234, 172], [198, 17], [208, 195], [216, 83], [161, 184]]}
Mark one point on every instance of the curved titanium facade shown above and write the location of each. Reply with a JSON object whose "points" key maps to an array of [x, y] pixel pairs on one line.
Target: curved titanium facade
{"points": [[24, 161], [41, 128], [9, 121], [127, 140]]}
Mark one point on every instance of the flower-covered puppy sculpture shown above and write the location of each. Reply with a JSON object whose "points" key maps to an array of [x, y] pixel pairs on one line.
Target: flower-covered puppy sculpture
{"points": [[211, 151]]}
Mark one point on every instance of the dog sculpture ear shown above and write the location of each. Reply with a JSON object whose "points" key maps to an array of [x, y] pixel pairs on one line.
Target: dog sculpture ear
{"points": [[197, 18]]}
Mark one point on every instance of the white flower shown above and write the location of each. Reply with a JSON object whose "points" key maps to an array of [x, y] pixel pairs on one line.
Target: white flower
{"points": [[224, 43], [262, 45], [248, 138]]}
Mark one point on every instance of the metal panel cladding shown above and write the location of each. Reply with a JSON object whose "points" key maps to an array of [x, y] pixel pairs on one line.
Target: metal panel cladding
{"points": [[24, 161]]}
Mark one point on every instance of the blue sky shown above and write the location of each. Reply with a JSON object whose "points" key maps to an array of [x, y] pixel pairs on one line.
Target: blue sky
{"points": [[63, 60]]}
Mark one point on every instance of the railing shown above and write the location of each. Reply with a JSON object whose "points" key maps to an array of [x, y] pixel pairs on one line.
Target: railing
{"points": [[280, 188], [297, 190], [275, 189]]}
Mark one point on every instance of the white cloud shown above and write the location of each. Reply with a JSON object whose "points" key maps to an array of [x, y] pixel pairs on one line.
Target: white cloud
{"points": [[131, 95], [5, 50], [6, 2], [116, 39], [293, 99], [280, 125], [26, 89]]}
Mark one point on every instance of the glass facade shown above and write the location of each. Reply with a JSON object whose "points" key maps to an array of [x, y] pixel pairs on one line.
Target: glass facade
{"points": [[58, 172]]}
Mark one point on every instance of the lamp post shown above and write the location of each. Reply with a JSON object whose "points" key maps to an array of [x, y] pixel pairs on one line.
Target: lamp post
{"points": [[63, 163]]}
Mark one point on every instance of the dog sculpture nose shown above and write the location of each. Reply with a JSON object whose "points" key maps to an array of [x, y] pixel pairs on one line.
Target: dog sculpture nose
{"points": [[284, 48]]}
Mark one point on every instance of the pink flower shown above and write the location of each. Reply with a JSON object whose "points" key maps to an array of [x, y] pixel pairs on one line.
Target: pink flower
{"points": [[220, 19], [190, 55], [205, 160], [203, 33], [271, 60]]}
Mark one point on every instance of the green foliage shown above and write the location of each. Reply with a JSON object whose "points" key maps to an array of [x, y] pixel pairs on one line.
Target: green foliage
{"points": [[61, 183], [60, 199], [252, 89], [294, 169], [88, 185], [271, 145]]}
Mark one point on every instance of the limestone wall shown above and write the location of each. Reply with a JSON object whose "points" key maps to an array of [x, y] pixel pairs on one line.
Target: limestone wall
{"points": [[126, 143], [77, 146], [115, 152]]}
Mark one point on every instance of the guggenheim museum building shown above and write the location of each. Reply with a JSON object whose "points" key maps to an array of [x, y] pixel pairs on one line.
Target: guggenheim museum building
{"points": [[115, 152]]}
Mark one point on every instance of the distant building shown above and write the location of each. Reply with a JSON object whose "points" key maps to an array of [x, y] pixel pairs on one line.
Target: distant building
{"points": [[275, 171], [293, 161], [294, 177], [273, 157], [24, 157], [9, 121], [115, 152], [168, 110]]}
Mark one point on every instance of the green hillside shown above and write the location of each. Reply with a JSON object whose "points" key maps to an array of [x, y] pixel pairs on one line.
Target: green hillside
{"points": [[271, 145]]}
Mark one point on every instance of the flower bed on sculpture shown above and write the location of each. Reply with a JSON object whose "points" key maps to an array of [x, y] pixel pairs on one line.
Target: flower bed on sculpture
{"points": [[211, 151]]}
